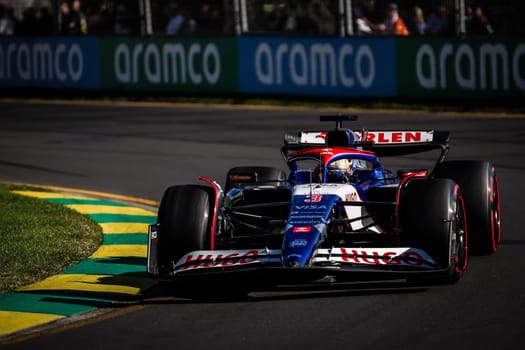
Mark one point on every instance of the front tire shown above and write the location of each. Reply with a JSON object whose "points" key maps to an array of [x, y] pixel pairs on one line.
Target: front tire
{"points": [[184, 218]]}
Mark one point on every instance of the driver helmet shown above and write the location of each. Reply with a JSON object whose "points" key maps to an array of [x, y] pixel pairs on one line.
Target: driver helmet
{"points": [[341, 165]]}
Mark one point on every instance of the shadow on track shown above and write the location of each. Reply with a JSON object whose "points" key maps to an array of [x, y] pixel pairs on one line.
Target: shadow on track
{"points": [[159, 296]]}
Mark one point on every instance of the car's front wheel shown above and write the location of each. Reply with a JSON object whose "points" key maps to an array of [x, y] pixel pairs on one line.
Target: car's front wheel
{"points": [[184, 219]]}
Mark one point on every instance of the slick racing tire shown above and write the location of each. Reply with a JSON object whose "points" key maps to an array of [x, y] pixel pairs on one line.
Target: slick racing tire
{"points": [[432, 218], [184, 218], [480, 188], [263, 175]]}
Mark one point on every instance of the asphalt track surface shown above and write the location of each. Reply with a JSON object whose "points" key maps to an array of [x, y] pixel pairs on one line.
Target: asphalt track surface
{"points": [[140, 150]]}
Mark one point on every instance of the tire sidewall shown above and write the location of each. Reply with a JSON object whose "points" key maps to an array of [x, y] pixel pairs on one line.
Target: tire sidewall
{"points": [[184, 217], [479, 186]]}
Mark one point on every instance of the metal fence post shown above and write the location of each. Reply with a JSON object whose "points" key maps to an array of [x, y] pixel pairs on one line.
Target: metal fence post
{"points": [[460, 17], [243, 11], [145, 18], [349, 17]]}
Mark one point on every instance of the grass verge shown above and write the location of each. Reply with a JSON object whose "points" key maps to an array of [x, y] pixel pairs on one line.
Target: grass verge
{"points": [[39, 239]]}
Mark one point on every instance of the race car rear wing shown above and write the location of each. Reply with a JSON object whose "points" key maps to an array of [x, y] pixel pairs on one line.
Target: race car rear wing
{"points": [[397, 143], [384, 143]]}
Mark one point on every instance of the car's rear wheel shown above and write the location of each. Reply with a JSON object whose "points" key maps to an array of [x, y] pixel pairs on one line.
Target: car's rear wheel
{"points": [[480, 188], [432, 218]]}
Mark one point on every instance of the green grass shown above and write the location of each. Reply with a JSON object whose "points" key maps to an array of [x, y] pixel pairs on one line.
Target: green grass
{"points": [[39, 238]]}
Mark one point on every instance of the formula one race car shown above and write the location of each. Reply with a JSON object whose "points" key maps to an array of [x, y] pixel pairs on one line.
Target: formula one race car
{"points": [[336, 212]]}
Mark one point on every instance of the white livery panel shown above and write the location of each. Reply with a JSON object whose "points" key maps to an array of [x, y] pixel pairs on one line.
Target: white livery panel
{"points": [[221, 259], [376, 136]]}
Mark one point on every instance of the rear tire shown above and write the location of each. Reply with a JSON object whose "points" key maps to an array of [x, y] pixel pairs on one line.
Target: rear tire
{"points": [[432, 218], [480, 188]]}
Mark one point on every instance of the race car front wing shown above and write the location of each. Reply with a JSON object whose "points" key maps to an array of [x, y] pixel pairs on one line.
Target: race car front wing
{"points": [[336, 258]]}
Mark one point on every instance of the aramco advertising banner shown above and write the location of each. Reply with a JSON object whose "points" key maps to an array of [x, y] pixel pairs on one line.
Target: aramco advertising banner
{"points": [[190, 65], [474, 67], [49, 62], [338, 67], [318, 66]]}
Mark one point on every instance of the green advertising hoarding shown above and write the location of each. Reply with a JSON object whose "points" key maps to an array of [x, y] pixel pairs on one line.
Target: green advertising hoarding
{"points": [[201, 65], [455, 67]]}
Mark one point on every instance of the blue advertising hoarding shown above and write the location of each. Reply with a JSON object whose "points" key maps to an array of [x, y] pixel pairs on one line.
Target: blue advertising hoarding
{"points": [[318, 66], [50, 62]]}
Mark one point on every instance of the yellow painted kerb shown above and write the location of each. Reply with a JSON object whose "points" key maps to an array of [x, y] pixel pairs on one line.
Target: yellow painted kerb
{"points": [[109, 209], [123, 227], [91, 193], [120, 251], [87, 283], [49, 195], [14, 321]]}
